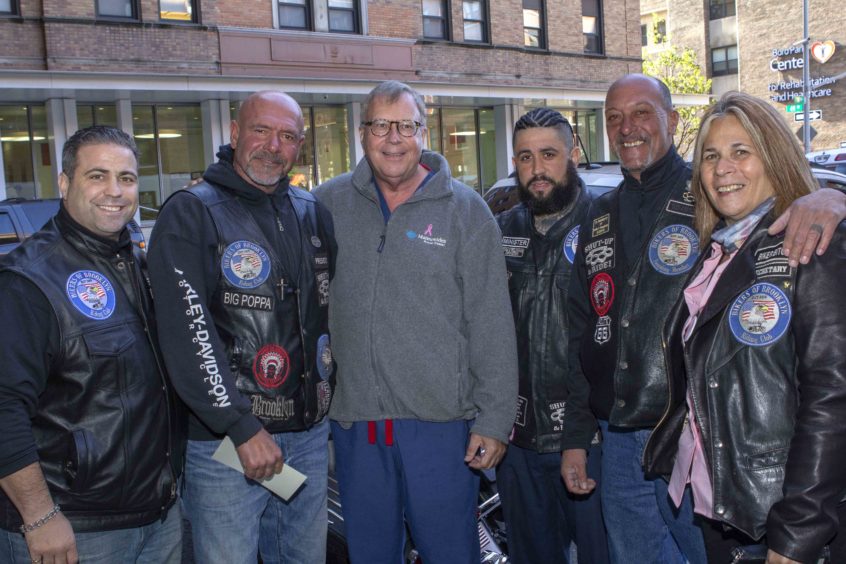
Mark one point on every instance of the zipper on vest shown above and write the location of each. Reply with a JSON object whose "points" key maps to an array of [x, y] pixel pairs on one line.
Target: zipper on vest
{"points": [[381, 243]]}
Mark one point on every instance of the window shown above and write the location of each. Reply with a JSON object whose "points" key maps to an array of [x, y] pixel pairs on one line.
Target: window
{"points": [[660, 31], [644, 35], [466, 138], [29, 169], [435, 21], [178, 10], [724, 60], [125, 9], [294, 14], [342, 16], [475, 23], [592, 25], [533, 24], [9, 8], [722, 9], [97, 114]]}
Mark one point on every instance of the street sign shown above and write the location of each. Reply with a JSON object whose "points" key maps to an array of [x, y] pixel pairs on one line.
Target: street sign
{"points": [[813, 115], [793, 108]]}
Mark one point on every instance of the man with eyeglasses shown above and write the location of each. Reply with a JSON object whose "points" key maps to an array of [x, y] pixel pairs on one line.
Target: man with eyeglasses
{"points": [[422, 333], [241, 262]]}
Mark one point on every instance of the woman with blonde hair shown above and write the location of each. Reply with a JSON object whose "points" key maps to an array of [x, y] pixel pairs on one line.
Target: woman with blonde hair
{"points": [[757, 422]]}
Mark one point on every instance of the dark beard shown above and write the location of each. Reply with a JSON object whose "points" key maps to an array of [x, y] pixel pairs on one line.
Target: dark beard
{"points": [[561, 196]]}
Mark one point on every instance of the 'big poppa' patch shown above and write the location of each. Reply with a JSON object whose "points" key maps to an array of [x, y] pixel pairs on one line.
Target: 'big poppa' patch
{"points": [[245, 264], [91, 293], [760, 315]]}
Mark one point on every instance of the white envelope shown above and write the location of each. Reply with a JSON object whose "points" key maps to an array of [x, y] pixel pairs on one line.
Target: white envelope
{"points": [[285, 484]]}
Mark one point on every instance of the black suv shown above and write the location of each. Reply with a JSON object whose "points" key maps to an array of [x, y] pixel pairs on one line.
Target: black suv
{"points": [[20, 219]]}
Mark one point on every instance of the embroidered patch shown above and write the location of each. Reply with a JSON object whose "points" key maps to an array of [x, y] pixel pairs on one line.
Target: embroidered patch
{"points": [[276, 409], [321, 261], [515, 246], [760, 315], [602, 334], [601, 293], [91, 293], [571, 243], [271, 366], [324, 398], [771, 263], [324, 357], [247, 301], [513, 252], [521, 411], [601, 225], [599, 255], [426, 237], [245, 264], [315, 240], [556, 414], [674, 250], [680, 208], [322, 287]]}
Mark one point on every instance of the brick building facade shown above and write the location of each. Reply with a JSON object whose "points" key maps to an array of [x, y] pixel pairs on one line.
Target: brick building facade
{"points": [[162, 69]]}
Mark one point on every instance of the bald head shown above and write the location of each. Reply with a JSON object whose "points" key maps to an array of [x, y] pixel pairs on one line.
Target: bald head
{"points": [[266, 138], [640, 121]]}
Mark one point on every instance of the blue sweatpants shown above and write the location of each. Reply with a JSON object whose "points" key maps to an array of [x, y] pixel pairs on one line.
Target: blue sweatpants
{"points": [[420, 478]]}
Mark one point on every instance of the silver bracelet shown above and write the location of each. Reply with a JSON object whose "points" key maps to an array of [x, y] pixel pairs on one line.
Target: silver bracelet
{"points": [[50, 514]]}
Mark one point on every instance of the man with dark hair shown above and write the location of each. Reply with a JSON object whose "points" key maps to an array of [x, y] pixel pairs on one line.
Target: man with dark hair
{"points": [[539, 237], [242, 260], [426, 357], [636, 245], [92, 437]]}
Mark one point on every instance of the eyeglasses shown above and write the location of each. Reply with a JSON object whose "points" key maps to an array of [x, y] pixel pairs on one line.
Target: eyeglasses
{"points": [[381, 127]]}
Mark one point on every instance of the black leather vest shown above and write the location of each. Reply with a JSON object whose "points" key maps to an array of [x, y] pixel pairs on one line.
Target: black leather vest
{"points": [[539, 269], [623, 333], [109, 437], [274, 324]]}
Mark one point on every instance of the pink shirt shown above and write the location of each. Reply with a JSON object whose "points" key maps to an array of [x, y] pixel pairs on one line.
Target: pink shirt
{"points": [[690, 467]]}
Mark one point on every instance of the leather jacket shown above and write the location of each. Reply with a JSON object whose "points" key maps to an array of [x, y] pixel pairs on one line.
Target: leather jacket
{"points": [[767, 375], [622, 335], [539, 269], [108, 426], [273, 321]]}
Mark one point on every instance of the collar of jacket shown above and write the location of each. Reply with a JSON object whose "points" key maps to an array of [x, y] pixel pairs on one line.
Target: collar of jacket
{"points": [[438, 186], [223, 174], [658, 175], [86, 241]]}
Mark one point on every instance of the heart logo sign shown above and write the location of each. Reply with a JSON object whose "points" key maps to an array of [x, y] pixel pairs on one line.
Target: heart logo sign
{"points": [[822, 50]]}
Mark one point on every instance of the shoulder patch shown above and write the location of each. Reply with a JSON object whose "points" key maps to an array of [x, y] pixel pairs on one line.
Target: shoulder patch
{"points": [[674, 249], [91, 293], [760, 315], [245, 264], [601, 225], [771, 263], [571, 243]]}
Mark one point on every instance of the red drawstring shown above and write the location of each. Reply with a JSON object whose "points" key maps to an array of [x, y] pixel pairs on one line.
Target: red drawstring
{"points": [[389, 432]]}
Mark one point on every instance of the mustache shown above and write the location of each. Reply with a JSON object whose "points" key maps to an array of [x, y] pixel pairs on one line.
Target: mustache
{"points": [[268, 156], [540, 178]]}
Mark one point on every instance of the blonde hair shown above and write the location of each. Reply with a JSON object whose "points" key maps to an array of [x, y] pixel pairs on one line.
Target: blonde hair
{"points": [[784, 161]]}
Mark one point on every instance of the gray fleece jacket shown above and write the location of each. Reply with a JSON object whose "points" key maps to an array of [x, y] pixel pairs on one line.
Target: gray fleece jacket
{"points": [[419, 311]]}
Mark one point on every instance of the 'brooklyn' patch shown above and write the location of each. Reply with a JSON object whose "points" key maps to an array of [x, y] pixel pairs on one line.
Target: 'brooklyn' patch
{"points": [[91, 293], [674, 250], [245, 264], [324, 357], [760, 315], [271, 366], [571, 243]]}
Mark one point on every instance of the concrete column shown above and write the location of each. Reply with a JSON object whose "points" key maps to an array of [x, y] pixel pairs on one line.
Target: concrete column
{"points": [[504, 117], [61, 124], [124, 116], [353, 121], [215, 127]]}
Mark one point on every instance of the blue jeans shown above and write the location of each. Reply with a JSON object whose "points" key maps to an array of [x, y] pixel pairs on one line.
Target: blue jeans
{"points": [[233, 518], [160, 542], [643, 523], [541, 517], [421, 477]]}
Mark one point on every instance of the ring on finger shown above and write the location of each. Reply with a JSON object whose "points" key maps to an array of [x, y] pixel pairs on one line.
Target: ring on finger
{"points": [[817, 228]]}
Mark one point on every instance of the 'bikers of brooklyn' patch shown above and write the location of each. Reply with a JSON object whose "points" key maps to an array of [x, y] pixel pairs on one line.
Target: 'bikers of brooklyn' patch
{"points": [[760, 315], [245, 264], [91, 293], [674, 249], [571, 243]]}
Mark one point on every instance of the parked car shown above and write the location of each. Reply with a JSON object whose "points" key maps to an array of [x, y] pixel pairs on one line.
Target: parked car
{"points": [[20, 219], [832, 159], [602, 177]]}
